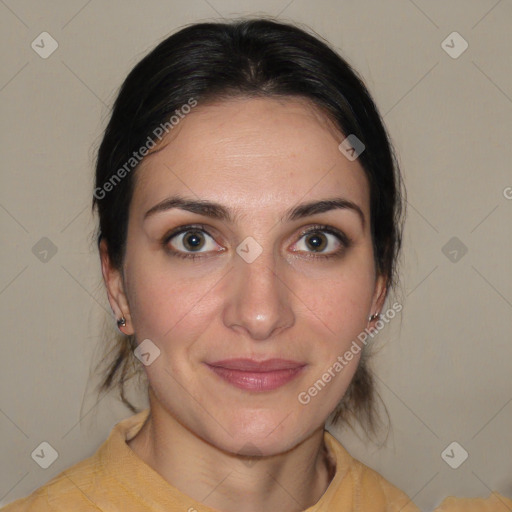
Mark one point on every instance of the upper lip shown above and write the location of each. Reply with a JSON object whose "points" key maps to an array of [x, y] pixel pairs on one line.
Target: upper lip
{"points": [[268, 365]]}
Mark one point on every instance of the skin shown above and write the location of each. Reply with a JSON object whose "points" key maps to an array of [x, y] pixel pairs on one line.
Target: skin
{"points": [[258, 158]]}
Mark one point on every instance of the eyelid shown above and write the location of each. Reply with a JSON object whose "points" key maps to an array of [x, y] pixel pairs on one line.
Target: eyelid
{"points": [[184, 228], [316, 227], [343, 239]]}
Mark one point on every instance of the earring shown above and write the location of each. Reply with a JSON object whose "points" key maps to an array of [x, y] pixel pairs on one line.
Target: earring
{"points": [[375, 316], [121, 322]]}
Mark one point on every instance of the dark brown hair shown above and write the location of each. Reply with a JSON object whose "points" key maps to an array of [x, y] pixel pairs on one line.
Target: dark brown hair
{"points": [[250, 58]]}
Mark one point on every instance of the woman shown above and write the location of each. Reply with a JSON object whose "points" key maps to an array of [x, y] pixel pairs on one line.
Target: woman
{"points": [[250, 217]]}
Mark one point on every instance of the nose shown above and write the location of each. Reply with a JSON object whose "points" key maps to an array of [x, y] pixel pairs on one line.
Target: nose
{"points": [[258, 302]]}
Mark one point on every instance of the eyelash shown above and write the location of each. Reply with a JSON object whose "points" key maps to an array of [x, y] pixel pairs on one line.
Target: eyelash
{"points": [[344, 240]]}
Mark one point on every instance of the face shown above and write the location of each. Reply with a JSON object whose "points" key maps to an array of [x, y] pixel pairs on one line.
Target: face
{"points": [[252, 264]]}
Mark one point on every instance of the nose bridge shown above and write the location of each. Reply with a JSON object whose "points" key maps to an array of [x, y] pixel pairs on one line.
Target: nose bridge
{"points": [[260, 276], [258, 300]]}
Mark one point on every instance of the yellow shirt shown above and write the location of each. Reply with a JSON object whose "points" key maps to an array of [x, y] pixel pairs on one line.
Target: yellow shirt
{"points": [[116, 479]]}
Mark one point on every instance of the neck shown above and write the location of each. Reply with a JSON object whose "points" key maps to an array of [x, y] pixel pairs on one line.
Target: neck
{"points": [[289, 482]]}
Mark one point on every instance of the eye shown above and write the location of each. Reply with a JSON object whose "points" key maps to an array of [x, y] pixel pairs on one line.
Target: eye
{"points": [[190, 241], [322, 241]]}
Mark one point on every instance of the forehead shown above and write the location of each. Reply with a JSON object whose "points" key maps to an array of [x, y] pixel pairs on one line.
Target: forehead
{"points": [[252, 153]]}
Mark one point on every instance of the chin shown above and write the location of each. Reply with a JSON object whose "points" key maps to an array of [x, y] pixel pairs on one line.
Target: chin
{"points": [[260, 434]]}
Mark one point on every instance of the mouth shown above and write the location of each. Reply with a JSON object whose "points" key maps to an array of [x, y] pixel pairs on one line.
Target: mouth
{"points": [[252, 375]]}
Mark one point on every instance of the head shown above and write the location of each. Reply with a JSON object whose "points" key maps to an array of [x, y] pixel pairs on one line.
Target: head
{"points": [[231, 225]]}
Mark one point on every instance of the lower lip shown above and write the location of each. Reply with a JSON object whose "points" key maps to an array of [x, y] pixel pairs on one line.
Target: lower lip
{"points": [[257, 381]]}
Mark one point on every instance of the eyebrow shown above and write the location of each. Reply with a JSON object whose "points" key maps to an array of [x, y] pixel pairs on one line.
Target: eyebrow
{"points": [[217, 211]]}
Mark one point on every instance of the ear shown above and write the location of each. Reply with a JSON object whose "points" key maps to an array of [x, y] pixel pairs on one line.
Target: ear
{"points": [[114, 283], [379, 295]]}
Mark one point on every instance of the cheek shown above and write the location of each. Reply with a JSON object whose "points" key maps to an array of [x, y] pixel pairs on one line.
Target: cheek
{"points": [[164, 304], [340, 300]]}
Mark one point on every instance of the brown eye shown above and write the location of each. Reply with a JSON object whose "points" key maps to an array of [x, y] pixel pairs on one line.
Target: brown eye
{"points": [[316, 242], [188, 241], [322, 242], [193, 240]]}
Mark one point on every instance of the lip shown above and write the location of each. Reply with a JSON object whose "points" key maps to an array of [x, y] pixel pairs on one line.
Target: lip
{"points": [[267, 365], [252, 375]]}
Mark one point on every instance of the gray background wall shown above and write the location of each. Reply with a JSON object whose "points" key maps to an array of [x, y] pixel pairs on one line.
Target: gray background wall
{"points": [[444, 368]]}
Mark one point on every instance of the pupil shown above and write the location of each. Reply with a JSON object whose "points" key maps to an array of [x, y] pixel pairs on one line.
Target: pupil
{"points": [[316, 242], [193, 240]]}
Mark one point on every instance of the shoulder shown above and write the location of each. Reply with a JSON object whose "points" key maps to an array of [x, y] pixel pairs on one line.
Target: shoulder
{"points": [[375, 488], [36, 501], [86, 485], [494, 503], [370, 491], [66, 491]]}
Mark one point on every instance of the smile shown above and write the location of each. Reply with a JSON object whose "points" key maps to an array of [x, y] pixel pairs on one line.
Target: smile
{"points": [[257, 376]]}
